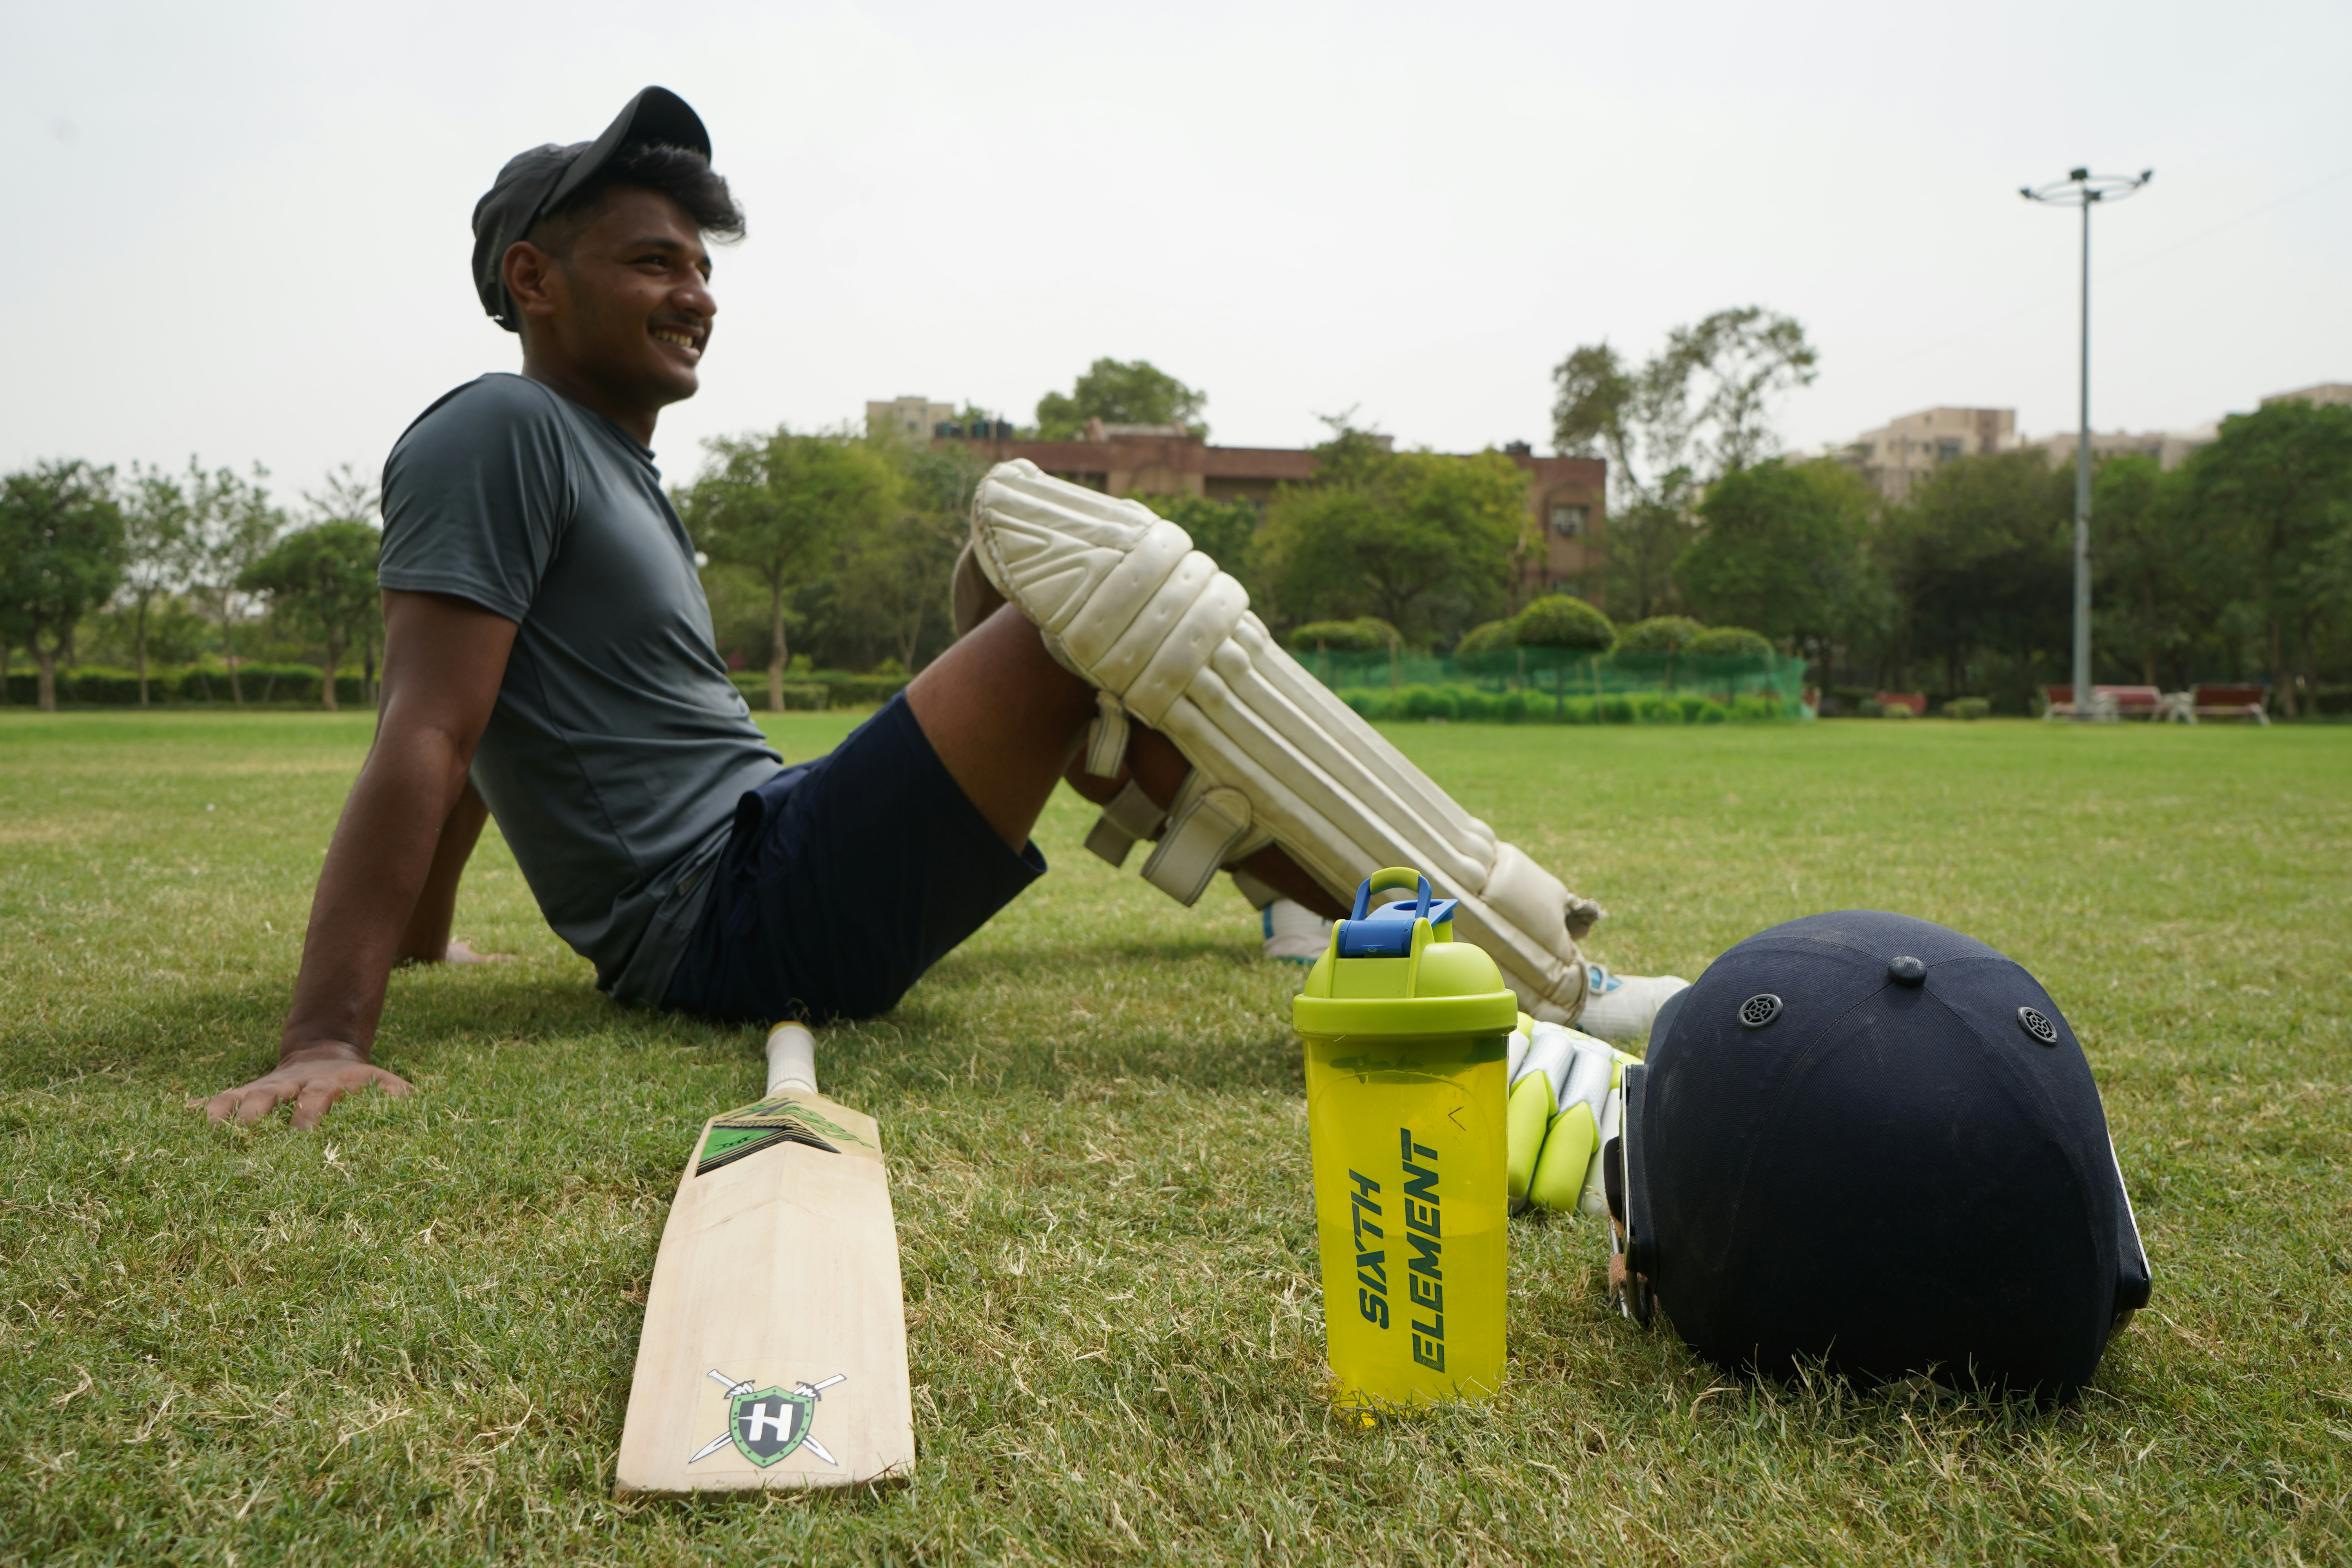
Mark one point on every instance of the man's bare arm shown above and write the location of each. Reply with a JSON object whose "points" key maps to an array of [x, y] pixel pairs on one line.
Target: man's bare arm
{"points": [[443, 661], [427, 938]]}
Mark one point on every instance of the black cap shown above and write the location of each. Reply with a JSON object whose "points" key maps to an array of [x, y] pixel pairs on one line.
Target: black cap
{"points": [[1863, 1139], [533, 182]]}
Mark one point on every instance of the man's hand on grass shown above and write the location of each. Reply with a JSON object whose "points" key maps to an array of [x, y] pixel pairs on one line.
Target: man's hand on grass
{"points": [[311, 1080]]}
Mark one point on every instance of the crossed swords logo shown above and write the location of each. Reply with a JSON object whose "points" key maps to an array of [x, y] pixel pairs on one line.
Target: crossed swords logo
{"points": [[756, 1429]]}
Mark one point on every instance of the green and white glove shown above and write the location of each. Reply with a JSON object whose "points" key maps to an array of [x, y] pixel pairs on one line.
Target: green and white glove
{"points": [[1562, 1109]]}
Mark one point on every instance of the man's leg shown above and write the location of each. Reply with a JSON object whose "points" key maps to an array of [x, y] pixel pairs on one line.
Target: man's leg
{"points": [[1005, 720], [1152, 761], [1277, 759], [849, 877]]}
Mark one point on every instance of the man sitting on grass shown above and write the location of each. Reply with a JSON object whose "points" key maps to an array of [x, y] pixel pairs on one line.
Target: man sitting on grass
{"points": [[549, 659]]}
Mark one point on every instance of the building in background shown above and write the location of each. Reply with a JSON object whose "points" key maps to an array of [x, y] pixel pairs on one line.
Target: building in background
{"points": [[2170, 448], [2325, 391], [909, 418], [1567, 511], [1893, 456]]}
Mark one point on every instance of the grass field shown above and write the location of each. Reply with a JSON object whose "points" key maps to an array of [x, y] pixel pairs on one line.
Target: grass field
{"points": [[408, 1338]]}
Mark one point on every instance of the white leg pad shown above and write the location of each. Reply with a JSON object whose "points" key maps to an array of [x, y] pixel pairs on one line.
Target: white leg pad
{"points": [[1125, 602], [1129, 815]]}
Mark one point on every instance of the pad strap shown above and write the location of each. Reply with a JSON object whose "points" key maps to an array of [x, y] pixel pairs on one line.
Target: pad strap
{"points": [[1129, 815], [1107, 738], [1206, 825]]}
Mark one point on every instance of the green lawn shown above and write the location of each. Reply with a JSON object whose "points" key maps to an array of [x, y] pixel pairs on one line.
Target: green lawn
{"points": [[408, 1338]]}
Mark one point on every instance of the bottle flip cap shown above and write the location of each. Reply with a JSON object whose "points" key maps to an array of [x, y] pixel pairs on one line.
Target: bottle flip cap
{"points": [[1397, 970]]}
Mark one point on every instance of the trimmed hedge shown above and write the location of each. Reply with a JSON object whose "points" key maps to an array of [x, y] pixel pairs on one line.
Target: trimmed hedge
{"points": [[820, 689], [297, 685], [1469, 704], [800, 696], [274, 684]]}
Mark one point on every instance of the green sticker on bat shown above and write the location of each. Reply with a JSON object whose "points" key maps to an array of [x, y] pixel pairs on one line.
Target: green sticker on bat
{"points": [[766, 1123]]}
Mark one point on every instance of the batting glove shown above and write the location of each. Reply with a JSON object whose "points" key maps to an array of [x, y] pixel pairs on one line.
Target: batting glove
{"points": [[1562, 1110]]}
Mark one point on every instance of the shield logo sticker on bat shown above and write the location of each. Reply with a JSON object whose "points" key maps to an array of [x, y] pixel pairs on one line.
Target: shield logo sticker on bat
{"points": [[766, 1425], [769, 1424]]}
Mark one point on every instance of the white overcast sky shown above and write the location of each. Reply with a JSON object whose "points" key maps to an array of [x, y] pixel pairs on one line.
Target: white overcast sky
{"points": [[239, 229]]}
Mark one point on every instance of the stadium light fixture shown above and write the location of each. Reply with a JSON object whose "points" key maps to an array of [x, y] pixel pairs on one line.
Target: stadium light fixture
{"points": [[2082, 188]]}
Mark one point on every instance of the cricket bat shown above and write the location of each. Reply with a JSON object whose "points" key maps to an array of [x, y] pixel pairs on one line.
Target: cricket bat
{"points": [[774, 1350]]}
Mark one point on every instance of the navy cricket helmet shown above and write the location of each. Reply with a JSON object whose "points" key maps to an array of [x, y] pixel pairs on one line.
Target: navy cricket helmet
{"points": [[1863, 1139]]}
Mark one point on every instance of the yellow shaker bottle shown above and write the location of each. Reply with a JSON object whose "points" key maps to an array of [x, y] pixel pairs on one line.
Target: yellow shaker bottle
{"points": [[1406, 1033]]}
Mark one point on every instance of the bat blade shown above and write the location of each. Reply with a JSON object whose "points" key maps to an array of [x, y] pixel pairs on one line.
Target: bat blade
{"points": [[774, 1350]]}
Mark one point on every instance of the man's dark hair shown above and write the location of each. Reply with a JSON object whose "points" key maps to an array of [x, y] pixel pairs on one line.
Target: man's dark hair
{"points": [[678, 172]]}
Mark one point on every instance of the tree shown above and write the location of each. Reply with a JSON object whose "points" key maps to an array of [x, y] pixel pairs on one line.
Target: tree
{"points": [[1645, 540], [1977, 561], [1739, 360], [894, 579], [1730, 642], [156, 538], [1694, 410], [784, 507], [60, 556], [2276, 490], [1660, 633], [1566, 630], [322, 579], [1225, 530], [1120, 392], [2154, 591], [1419, 540], [231, 524], [348, 496], [1784, 550]]}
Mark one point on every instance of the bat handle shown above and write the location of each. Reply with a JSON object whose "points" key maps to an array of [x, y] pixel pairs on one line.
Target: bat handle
{"points": [[791, 1059]]}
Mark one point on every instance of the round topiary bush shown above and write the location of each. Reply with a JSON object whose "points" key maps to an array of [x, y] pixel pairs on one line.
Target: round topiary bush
{"points": [[1562, 621], [1487, 649], [1366, 633], [1659, 634], [1729, 642]]}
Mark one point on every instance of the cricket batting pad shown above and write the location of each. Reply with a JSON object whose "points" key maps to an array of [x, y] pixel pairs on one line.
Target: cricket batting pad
{"points": [[1126, 603]]}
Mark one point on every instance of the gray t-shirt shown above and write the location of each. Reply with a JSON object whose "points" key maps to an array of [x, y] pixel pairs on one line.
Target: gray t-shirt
{"points": [[618, 748]]}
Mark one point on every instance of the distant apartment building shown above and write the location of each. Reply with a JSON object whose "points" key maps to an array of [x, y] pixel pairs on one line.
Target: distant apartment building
{"points": [[1893, 456], [2170, 448], [1567, 507], [2325, 391], [909, 418]]}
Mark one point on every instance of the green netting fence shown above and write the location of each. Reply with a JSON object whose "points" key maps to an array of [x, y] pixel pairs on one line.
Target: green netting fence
{"points": [[1541, 686]]}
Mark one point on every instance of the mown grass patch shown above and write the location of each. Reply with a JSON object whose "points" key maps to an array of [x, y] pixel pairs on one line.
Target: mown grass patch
{"points": [[408, 1338]]}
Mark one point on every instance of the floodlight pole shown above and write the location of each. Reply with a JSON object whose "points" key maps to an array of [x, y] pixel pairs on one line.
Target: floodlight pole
{"points": [[2082, 188]]}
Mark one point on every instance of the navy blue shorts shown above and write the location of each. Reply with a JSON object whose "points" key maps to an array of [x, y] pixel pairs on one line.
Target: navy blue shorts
{"points": [[844, 878]]}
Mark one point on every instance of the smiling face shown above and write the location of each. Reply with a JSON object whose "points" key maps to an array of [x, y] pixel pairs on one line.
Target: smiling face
{"points": [[616, 305]]}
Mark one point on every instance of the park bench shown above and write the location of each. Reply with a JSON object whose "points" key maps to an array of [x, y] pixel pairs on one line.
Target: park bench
{"points": [[2227, 702], [2109, 703], [1915, 700]]}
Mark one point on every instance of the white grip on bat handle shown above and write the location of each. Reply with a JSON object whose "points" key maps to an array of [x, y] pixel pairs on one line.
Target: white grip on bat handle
{"points": [[791, 1059]]}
